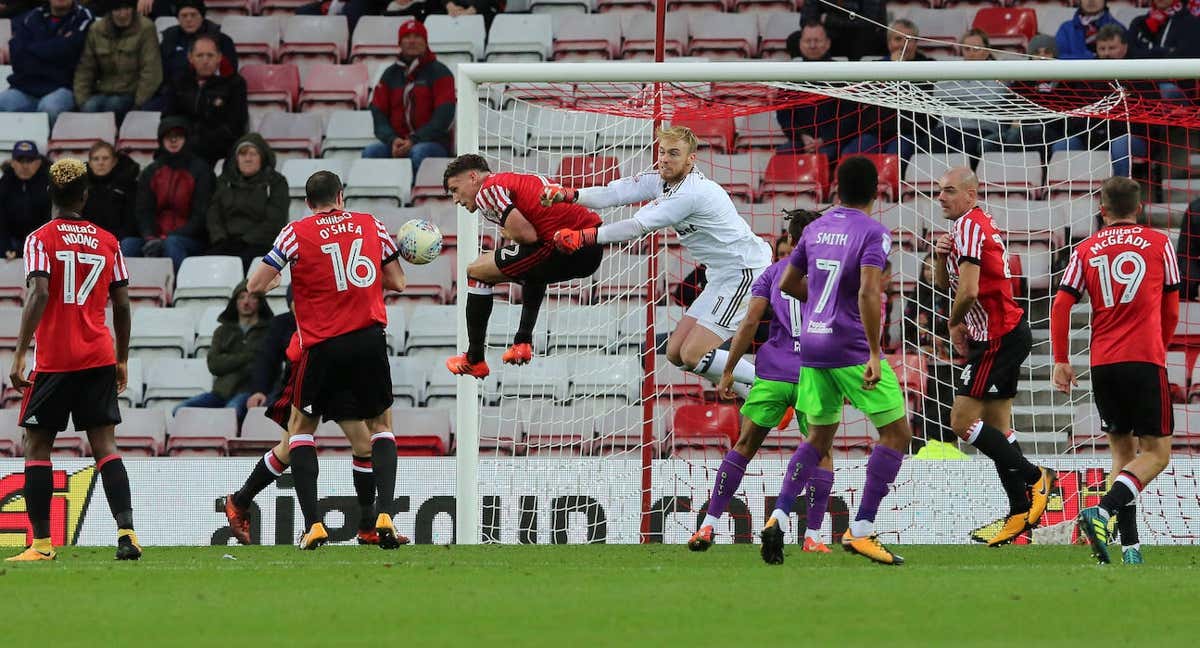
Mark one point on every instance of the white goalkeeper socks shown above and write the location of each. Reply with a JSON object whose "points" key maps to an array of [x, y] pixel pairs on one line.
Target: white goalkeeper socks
{"points": [[712, 365]]}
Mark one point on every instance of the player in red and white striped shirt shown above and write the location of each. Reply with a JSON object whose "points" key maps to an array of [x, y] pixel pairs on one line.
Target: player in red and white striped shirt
{"points": [[73, 268], [988, 326], [1131, 275]]}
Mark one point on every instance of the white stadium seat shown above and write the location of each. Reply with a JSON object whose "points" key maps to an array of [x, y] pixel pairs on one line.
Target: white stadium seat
{"points": [[174, 380], [408, 381], [297, 172], [208, 277], [386, 181], [163, 328], [459, 37], [527, 37]]}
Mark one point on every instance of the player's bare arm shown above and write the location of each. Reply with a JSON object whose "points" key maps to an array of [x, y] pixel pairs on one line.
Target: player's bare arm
{"points": [[869, 310], [517, 228], [964, 300], [741, 343], [121, 320], [1063, 376], [263, 280], [794, 283], [37, 295], [393, 276], [941, 250]]}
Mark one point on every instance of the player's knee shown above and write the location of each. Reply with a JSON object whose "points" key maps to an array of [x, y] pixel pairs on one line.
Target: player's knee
{"points": [[690, 356], [38, 446], [749, 442], [674, 357]]}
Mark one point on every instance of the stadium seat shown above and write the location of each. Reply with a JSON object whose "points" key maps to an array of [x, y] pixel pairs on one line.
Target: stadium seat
{"points": [[586, 36], [139, 132], [639, 34], [738, 174], [165, 329], [715, 133], [150, 279], [1086, 434], [888, 168], [545, 377], [5, 36], [135, 389], [773, 30], [924, 170], [75, 132], [587, 170], [385, 181], [428, 327], [298, 134], [272, 85], [758, 131], [856, 434], [206, 325], [704, 427], [671, 381], [791, 174], [434, 280], [258, 434], [208, 277], [12, 281], [1077, 173], [716, 33], [606, 376], [1009, 172], [408, 379], [314, 38], [428, 185], [298, 172], [555, 430], [14, 127], [71, 442], [503, 323], [456, 38], [1008, 27], [623, 276], [201, 430], [226, 9], [561, 7], [348, 133], [516, 37], [395, 330], [173, 380], [573, 327], [421, 431], [10, 326], [141, 432], [11, 434], [500, 434], [163, 23], [940, 28], [560, 131], [375, 37], [256, 38], [327, 87]]}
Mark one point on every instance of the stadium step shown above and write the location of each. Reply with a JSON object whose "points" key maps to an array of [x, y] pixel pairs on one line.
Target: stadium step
{"points": [[1042, 423], [1042, 393]]}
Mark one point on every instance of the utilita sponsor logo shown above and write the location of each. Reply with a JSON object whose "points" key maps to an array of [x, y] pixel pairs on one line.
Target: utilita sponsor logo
{"points": [[68, 506]]}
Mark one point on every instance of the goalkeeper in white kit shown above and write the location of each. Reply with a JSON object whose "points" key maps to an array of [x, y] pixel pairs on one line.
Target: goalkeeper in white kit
{"points": [[708, 225]]}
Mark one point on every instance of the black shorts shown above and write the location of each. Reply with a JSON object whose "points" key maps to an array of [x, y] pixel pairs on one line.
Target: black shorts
{"points": [[88, 397], [541, 263], [993, 368], [280, 407], [343, 378], [1133, 397]]}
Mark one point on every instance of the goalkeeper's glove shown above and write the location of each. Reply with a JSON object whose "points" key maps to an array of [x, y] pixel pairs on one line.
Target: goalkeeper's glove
{"points": [[553, 193], [569, 241]]}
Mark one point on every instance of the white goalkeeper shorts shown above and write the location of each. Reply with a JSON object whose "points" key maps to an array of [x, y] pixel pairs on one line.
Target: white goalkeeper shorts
{"points": [[722, 304]]}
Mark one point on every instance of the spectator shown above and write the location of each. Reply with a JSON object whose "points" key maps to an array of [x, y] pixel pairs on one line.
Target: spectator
{"points": [[120, 68], [413, 105], [1168, 30], [13, 8], [811, 43], [235, 345], [1076, 38], [1042, 46], [214, 104], [1188, 252], [44, 51], [966, 134], [926, 314], [351, 9], [485, 8], [267, 378], [852, 35], [112, 190], [24, 197], [172, 199], [250, 203], [902, 41], [783, 246], [1032, 134], [177, 42]]}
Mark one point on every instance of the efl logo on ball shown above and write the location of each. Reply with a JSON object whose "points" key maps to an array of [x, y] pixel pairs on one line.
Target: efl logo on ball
{"points": [[420, 241]]}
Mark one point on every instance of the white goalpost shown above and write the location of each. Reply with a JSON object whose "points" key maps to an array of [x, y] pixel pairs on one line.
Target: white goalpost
{"points": [[599, 439]]}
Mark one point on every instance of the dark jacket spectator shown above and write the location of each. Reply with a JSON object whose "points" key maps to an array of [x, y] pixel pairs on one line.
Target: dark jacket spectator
{"points": [[852, 36], [177, 41], [44, 51], [250, 203], [24, 197], [214, 105], [810, 43], [172, 200], [1187, 250], [414, 103], [267, 382], [112, 190], [485, 8], [1168, 30], [826, 125], [235, 347], [1076, 38], [13, 8], [120, 67]]}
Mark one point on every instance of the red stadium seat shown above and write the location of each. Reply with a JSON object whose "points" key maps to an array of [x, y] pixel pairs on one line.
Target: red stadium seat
{"points": [[888, 167], [421, 431], [1007, 26], [717, 133], [796, 174], [334, 86], [272, 84], [705, 426], [587, 170]]}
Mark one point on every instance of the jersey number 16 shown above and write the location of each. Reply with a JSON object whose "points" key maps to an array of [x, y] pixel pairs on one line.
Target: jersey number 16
{"points": [[355, 269]]}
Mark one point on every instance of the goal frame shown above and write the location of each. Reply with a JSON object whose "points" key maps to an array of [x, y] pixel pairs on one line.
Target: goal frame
{"points": [[469, 76]]}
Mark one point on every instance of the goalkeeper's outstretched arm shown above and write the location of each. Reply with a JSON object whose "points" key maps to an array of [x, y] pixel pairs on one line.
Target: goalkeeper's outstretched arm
{"points": [[666, 211]]}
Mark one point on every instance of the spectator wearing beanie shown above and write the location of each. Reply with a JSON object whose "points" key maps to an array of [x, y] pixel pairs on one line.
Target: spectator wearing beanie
{"points": [[214, 104], [120, 68], [44, 51], [177, 42], [250, 203], [414, 103], [112, 190], [172, 199], [24, 196], [1076, 38]]}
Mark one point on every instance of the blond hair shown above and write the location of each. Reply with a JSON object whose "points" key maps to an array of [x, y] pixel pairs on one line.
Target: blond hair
{"points": [[681, 133], [66, 171], [68, 183]]}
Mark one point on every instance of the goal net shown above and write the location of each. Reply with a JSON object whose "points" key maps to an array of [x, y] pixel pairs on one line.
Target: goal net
{"points": [[601, 439]]}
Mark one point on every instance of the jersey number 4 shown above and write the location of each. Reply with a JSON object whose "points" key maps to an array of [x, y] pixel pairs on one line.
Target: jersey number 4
{"points": [[354, 269], [1119, 271], [70, 260]]}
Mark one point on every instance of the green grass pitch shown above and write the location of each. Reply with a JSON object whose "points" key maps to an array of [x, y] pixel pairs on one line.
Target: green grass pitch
{"points": [[580, 596]]}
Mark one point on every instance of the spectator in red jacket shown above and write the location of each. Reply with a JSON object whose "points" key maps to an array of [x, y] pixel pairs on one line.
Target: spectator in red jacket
{"points": [[414, 103]]}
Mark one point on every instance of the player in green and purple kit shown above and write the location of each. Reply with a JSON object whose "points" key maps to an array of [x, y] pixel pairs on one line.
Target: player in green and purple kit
{"points": [[842, 255], [774, 391]]}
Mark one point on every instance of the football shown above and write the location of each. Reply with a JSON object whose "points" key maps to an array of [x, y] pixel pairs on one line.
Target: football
{"points": [[420, 241]]}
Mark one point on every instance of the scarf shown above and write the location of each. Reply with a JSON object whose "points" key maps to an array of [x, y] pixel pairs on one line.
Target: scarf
{"points": [[1157, 17], [1090, 28]]}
